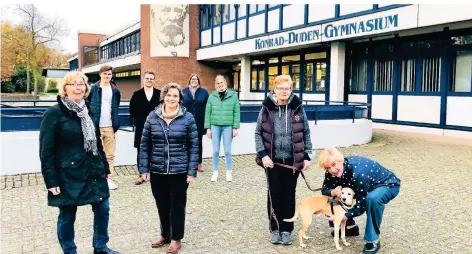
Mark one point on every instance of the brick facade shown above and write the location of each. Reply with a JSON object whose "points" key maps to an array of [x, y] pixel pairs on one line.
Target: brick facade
{"points": [[87, 39], [127, 86], [175, 69]]}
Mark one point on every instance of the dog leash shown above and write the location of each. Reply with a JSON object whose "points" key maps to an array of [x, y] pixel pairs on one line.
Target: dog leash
{"points": [[301, 172], [272, 211]]}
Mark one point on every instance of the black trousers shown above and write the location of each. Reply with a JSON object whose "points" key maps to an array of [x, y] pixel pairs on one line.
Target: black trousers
{"points": [[200, 149], [170, 193], [282, 186]]}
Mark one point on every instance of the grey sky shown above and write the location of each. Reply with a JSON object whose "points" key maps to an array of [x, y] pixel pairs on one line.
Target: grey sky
{"points": [[101, 17]]}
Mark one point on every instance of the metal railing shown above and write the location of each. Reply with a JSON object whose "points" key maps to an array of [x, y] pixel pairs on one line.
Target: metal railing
{"points": [[16, 115]]}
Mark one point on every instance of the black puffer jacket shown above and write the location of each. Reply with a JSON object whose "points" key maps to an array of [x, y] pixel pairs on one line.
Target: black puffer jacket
{"points": [[169, 149], [80, 175]]}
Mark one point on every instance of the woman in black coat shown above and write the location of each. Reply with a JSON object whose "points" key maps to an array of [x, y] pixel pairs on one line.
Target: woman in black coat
{"points": [[195, 100], [73, 163], [169, 156]]}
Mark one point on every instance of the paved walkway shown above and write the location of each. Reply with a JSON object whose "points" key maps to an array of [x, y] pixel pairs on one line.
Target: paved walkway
{"points": [[430, 215]]}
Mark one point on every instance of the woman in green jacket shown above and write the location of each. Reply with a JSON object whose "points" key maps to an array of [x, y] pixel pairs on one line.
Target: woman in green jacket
{"points": [[222, 119]]}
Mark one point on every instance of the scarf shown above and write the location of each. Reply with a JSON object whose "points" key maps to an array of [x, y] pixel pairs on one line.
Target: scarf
{"points": [[88, 129], [193, 91], [169, 115]]}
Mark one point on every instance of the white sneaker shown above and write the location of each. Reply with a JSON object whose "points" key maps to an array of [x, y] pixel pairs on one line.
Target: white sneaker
{"points": [[214, 177], [229, 177], [111, 185]]}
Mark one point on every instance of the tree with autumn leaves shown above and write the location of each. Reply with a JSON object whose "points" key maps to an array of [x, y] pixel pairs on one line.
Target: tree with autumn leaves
{"points": [[31, 45]]}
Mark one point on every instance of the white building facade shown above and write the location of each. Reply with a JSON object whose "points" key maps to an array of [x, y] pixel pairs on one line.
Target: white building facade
{"points": [[412, 63]]}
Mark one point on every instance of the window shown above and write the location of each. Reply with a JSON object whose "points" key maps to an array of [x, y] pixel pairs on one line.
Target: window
{"points": [[462, 72], [295, 74], [122, 46], [461, 64], [431, 74], [358, 81], [236, 81], [313, 56], [384, 55], [242, 10], [258, 75], [216, 14], [315, 76], [205, 17], [273, 72], [90, 55], [383, 75], [225, 12], [320, 76], [252, 8], [232, 12], [408, 73], [260, 7]]}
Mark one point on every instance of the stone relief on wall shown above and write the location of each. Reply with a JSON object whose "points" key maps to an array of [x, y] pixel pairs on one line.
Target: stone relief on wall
{"points": [[170, 30]]}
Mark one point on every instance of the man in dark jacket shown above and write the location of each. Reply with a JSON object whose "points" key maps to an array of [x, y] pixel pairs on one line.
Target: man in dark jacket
{"points": [[141, 104], [104, 101], [374, 187]]}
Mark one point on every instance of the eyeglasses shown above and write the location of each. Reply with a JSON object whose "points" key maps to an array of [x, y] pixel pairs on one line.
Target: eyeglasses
{"points": [[76, 85], [283, 89]]}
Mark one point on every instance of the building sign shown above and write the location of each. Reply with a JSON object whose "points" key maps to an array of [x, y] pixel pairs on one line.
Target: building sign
{"points": [[331, 31], [392, 20], [289, 39]]}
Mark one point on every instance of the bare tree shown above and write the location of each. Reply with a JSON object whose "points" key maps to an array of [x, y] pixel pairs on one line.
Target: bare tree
{"points": [[42, 30]]}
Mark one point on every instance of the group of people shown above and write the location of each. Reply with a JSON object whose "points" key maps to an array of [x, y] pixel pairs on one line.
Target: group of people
{"points": [[77, 145]]}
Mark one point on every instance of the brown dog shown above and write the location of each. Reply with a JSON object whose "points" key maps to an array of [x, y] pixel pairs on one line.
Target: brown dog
{"points": [[319, 205]]}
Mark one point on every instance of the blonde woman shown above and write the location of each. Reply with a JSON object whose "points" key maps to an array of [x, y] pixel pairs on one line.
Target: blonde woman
{"points": [[373, 184], [282, 136], [222, 116], [168, 157], [73, 163]]}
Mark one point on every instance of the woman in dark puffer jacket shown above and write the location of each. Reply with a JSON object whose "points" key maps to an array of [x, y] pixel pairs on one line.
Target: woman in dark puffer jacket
{"points": [[168, 156]]}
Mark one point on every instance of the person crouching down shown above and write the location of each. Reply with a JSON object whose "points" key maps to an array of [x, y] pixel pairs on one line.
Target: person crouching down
{"points": [[373, 184], [168, 156]]}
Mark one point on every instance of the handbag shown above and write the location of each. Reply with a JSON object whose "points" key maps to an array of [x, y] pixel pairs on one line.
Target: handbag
{"points": [[259, 160]]}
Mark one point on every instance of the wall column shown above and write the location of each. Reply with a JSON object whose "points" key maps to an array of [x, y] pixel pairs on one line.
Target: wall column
{"points": [[245, 78], [337, 64]]}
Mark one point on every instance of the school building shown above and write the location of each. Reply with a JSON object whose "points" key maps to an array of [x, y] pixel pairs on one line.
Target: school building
{"points": [[412, 63]]}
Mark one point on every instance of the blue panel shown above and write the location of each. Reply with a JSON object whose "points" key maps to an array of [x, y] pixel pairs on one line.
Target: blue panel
{"points": [[29, 118]]}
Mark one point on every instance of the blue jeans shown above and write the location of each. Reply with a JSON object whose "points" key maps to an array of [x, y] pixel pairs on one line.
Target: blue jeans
{"points": [[375, 204], [65, 226], [227, 132]]}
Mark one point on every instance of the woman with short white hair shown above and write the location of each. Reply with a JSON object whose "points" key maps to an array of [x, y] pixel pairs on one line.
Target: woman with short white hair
{"points": [[373, 184], [282, 139]]}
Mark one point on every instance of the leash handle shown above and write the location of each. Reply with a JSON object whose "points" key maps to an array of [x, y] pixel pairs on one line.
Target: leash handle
{"points": [[301, 172]]}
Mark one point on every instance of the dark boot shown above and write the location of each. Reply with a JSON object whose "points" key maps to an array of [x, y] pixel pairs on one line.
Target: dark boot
{"points": [[354, 231]]}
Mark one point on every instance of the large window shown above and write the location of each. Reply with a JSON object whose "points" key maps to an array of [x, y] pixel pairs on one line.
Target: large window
{"points": [[420, 66], [314, 71], [462, 64], [125, 45], [205, 16], [358, 69], [383, 67], [258, 75]]}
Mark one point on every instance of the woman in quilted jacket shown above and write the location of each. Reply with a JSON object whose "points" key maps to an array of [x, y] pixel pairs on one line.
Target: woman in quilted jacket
{"points": [[222, 120], [168, 157]]}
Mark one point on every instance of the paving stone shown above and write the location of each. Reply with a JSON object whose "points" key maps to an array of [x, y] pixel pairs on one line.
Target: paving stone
{"points": [[430, 215]]}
